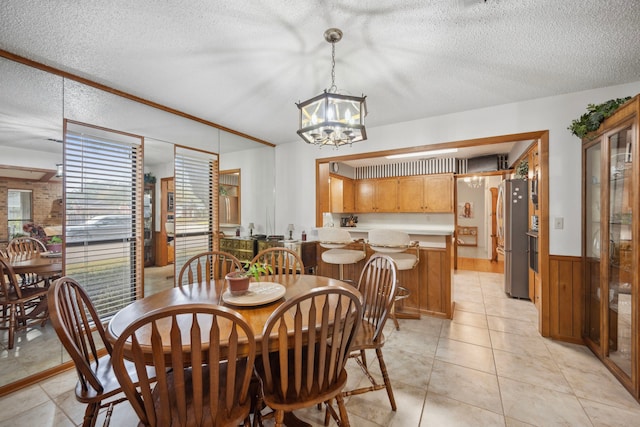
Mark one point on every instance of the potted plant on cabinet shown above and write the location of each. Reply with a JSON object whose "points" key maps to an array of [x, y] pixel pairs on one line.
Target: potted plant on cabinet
{"points": [[54, 244]]}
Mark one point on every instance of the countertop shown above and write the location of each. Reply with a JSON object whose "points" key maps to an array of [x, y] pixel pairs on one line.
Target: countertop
{"points": [[436, 230]]}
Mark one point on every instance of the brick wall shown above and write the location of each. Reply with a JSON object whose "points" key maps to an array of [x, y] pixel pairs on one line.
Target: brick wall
{"points": [[46, 202]]}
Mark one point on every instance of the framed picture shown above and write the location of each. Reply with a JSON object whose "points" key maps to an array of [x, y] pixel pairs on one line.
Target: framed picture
{"points": [[170, 201], [465, 210]]}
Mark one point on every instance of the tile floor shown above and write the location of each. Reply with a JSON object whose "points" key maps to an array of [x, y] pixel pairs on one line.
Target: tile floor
{"points": [[486, 367]]}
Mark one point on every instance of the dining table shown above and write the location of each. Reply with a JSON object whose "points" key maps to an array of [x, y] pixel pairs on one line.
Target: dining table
{"points": [[42, 263], [251, 308]]}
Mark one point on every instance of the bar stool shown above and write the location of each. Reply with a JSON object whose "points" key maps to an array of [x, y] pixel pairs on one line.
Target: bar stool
{"points": [[395, 243], [335, 239]]}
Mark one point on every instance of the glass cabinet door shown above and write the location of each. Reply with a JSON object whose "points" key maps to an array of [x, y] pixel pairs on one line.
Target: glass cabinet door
{"points": [[592, 183], [620, 256]]}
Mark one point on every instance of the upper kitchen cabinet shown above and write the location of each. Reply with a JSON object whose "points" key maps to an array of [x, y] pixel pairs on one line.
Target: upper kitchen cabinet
{"points": [[426, 193], [438, 193], [376, 195], [342, 197], [611, 236]]}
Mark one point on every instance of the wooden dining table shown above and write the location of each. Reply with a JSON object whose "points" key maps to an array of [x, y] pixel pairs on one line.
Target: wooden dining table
{"points": [[256, 316], [37, 263]]}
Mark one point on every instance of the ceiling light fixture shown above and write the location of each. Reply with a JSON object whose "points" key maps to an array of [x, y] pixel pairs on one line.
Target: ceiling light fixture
{"points": [[332, 118], [474, 181], [423, 153]]}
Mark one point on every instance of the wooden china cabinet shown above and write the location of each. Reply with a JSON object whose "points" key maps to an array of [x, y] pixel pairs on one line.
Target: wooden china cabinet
{"points": [[611, 241]]}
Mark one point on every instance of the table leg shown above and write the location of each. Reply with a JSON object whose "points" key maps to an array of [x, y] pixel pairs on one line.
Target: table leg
{"points": [[291, 420]]}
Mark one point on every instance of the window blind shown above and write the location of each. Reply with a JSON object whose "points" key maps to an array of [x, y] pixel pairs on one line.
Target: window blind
{"points": [[196, 208], [103, 214]]}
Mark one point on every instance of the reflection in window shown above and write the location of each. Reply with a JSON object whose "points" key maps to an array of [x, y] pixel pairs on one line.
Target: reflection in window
{"points": [[19, 205]]}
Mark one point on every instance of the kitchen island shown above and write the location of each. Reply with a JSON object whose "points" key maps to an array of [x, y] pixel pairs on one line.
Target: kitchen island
{"points": [[429, 282]]}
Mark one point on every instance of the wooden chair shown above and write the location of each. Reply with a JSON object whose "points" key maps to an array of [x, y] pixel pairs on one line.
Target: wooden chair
{"points": [[283, 261], [78, 326], [308, 367], [26, 248], [207, 267], [23, 305], [209, 380], [378, 287]]}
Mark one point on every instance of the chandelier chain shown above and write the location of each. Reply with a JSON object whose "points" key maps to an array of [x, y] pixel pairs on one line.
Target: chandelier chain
{"points": [[333, 88]]}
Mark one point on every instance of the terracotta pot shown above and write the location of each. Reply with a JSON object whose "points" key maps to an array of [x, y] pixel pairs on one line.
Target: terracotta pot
{"points": [[54, 247], [237, 283]]}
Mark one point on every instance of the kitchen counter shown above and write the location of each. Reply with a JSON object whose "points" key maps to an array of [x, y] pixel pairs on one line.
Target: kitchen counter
{"points": [[436, 230]]}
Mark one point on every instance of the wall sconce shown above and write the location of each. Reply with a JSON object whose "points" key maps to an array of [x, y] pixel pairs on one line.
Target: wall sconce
{"points": [[251, 227], [290, 230], [59, 170]]}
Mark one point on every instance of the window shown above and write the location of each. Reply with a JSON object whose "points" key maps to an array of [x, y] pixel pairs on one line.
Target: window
{"points": [[19, 204], [103, 214], [195, 204]]}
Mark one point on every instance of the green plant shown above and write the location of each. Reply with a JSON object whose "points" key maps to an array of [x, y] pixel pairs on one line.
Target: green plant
{"points": [[257, 269], [595, 115], [522, 170], [55, 239]]}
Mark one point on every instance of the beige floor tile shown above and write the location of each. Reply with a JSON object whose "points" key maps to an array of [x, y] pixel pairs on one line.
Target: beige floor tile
{"points": [[61, 383], [46, 414], [472, 319], [541, 371], [375, 407], [442, 411], [602, 415], [598, 385], [472, 306], [466, 385], [467, 355], [413, 342], [21, 401], [540, 406], [511, 422], [427, 326], [513, 326], [69, 404], [466, 333], [532, 346]]}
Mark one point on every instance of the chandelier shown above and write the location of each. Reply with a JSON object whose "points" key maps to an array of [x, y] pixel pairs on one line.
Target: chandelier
{"points": [[332, 118], [474, 181]]}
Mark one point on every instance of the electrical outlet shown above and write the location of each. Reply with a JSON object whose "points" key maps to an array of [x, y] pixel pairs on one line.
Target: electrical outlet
{"points": [[558, 223]]}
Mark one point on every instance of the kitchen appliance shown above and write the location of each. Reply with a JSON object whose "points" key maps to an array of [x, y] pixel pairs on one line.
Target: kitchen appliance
{"points": [[513, 215]]}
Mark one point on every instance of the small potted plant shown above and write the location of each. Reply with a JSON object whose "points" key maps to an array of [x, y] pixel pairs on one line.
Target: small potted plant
{"points": [[238, 281], [54, 244]]}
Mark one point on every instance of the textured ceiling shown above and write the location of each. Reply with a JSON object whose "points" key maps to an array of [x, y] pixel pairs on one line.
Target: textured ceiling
{"points": [[243, 63]]}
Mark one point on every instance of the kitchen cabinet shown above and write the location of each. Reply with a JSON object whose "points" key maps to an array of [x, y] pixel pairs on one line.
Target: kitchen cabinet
{"points": [[420, 194], [611, 242], [341, 194], [438, 193], [376, 195]]}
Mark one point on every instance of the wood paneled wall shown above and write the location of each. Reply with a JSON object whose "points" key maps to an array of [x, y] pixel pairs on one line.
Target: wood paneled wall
{"points": [[565, 302]]}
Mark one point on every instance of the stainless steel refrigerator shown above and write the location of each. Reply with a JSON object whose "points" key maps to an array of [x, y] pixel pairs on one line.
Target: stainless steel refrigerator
{"points": [[513, 208]]}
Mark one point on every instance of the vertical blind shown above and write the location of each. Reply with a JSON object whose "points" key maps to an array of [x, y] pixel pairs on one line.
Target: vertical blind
{"points": [[196, 203], [103, 214]]}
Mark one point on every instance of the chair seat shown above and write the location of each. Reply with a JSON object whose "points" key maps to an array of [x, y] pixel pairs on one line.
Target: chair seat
{"points": [[364, 338], [306, 398], [235, 417], [404, 261], [342, 256], [104, 373]]}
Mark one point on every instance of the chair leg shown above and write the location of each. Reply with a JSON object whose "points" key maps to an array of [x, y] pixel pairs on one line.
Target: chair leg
{"points": [[279, 418], [90, 415], [363, 357], [12, 325], [344, 417], [385, 376]]}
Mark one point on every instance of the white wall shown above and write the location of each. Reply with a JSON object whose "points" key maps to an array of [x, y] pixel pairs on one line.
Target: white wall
{"points": [[295, 161]]}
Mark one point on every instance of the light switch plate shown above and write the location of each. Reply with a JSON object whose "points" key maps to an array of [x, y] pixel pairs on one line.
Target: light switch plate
{"points": [[558, 223]]}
